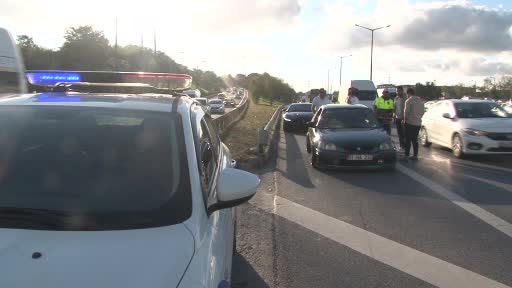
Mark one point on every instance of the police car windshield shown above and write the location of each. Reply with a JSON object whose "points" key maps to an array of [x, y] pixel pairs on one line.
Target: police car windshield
{"points": [[121, 167]]}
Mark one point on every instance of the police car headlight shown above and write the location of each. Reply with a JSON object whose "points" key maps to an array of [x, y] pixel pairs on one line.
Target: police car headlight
{"points": [[324, 145], [386, 146], [474, 132]]}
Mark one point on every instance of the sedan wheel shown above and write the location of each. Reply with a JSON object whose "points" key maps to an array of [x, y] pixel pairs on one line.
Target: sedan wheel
{"points": [[308, 145], [457, 147], [424, 137]]}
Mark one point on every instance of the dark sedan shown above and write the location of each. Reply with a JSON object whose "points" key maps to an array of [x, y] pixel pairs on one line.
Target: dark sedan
{"points": [[349, 136], [296, 116]]}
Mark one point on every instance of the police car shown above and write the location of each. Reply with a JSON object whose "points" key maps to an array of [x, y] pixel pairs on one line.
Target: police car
{"points": [[114, 190]]}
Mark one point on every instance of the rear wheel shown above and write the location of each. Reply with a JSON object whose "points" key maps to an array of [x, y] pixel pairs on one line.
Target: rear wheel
{"points": [[285, 127], [308, 145], [457, 146], [314, 160], [424, 138]]}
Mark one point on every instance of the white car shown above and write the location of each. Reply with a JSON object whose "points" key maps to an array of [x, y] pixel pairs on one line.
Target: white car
{"points": [[217, 106], [115, 191], [468, 127]]}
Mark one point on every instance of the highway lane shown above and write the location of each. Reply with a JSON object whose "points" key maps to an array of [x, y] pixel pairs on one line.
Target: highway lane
{"points": [[437, 222]]}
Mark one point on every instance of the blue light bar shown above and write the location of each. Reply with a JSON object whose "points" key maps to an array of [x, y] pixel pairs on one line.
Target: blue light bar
{"points": [[55, 98], [46, 79]]}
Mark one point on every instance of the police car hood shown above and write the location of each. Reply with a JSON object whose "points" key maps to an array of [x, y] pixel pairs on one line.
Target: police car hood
{"points": [[156, 257]]}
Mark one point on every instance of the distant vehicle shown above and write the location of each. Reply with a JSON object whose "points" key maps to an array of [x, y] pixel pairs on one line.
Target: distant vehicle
{"points": [[296, 116], [204, 103], [367, 91], [468, 127], [193, 93], [348, 136], [12, 71], [98, 180], [217, 106], [230, 102], [221, 96]]}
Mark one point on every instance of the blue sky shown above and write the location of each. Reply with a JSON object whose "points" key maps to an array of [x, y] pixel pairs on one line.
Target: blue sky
{"points": [[299, 40]]}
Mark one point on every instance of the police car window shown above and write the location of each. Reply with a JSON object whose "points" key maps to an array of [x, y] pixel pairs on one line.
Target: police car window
{"points": [[215, 139], [206, 167]]}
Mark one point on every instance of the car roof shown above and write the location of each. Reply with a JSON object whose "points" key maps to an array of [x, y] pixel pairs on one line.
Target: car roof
{"points": [[149, 102], [345, 106], [468, 100]]}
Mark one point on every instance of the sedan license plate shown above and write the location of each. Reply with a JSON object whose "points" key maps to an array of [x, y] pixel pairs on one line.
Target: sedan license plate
{"points": [[359, 157], [506, 144]]}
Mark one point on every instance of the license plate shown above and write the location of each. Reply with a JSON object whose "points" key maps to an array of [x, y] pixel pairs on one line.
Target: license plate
{"points": [[357, 157], [506, 144]]}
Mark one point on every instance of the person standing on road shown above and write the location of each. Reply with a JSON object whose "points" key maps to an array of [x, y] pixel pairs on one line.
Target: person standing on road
{"points": [[352, 96], [384, 108], [399, 115], [414, 110], [320, 100]]}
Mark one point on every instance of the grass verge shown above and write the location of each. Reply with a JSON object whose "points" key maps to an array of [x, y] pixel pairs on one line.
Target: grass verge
{"points": [[244, 134]]}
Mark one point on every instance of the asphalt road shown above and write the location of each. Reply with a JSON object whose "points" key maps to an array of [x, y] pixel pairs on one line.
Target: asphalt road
{"points": [[437, 222], [217, 115]]}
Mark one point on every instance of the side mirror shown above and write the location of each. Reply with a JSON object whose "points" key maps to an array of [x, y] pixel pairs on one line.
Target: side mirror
{"points": [[234, 187], [447, 116], [206, 152], [310, 124]]}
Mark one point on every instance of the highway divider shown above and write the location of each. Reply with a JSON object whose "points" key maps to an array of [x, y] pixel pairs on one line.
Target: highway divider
{"points": [[268, 135]]}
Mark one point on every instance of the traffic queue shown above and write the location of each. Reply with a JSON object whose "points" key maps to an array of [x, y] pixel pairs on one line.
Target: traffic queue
{"points": [[347, 132]]}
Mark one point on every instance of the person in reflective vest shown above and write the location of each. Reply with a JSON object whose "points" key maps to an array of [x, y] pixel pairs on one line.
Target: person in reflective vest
{"points": [[384, 108]]}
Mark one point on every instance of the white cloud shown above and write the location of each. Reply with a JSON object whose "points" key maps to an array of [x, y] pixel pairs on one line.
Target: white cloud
{"points": [[451, 42]]}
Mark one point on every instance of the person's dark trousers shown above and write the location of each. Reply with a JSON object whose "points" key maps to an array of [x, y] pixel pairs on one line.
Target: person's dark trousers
{"points": [[411, 137], [386, 125], [401, 132]]}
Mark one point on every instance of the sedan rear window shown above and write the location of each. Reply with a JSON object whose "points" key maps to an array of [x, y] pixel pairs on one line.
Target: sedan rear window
{"points": [[306, 107], [115, 168]]}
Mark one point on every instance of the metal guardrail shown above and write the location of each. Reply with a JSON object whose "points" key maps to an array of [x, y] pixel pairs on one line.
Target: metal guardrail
{"points": [[223, 122], [268, 133]]}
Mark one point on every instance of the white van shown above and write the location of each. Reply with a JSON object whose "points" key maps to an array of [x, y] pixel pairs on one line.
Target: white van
{"points": [[367, 91], [12, 71]]}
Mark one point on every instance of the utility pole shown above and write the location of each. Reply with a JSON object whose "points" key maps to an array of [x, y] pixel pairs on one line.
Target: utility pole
{"points": [[341, 64], [154, 39], [328, 79], [115, 50], [371, 56]]}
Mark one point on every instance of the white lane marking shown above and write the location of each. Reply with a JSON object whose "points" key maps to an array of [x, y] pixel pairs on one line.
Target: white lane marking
{"points": [[458, 200], [413, 262], [506, 187]]}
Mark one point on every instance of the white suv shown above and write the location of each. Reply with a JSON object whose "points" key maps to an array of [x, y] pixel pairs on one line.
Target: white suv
{"points": [[468, 127]]}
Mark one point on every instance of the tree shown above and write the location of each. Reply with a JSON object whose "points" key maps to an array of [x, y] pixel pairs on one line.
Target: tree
{"points": [[34, 56], [429, 91], [85, 49]]}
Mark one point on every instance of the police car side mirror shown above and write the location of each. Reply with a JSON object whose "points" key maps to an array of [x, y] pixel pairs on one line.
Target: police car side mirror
{"points": [[447, 116], [234, 187]]}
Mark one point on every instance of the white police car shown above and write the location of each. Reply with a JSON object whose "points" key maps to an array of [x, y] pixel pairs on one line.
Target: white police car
{"points": [[114, 190]]}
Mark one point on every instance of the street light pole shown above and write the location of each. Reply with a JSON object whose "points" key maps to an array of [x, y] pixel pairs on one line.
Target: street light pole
{"points": [[341, 64], [371, 57]]}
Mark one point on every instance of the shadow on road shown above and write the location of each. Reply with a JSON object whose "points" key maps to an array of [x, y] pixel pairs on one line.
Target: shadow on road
{"points": [[296, 165], [244, 275]]}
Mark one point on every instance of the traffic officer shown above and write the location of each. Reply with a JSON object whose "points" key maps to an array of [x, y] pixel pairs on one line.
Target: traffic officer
{"points": [[384, 108]]}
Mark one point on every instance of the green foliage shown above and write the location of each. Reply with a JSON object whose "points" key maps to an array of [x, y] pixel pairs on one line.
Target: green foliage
{"points": [[265, 86], [429, 91]]}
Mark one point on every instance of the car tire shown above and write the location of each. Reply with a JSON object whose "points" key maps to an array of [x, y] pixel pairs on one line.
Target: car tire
{"points": [[285, 127], [314, 160], [457, 146], [424, 138], [308, 145]]}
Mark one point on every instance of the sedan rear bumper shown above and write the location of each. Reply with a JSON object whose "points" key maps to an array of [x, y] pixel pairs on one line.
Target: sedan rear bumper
{"points": [[339, 160]]}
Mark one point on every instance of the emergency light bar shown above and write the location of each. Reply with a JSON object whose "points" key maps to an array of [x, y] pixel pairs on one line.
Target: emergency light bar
{"points": [[157, 80]]}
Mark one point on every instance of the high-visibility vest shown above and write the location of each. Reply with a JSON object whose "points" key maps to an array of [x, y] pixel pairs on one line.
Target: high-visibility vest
{"points": [[380, 103]]}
